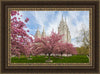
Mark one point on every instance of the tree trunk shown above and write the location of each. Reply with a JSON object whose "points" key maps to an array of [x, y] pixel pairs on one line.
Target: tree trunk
{"points": [[61, 55], [49, 60]]}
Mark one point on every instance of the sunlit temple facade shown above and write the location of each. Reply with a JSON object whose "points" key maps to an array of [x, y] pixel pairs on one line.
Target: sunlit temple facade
{"points": [[64, 30]]}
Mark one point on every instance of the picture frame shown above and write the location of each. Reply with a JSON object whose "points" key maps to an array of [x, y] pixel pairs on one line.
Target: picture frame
{"points": [[92, 6]]}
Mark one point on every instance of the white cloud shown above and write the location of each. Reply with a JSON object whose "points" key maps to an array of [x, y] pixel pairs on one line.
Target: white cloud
{"points": [[54, 24], [41, 17]]}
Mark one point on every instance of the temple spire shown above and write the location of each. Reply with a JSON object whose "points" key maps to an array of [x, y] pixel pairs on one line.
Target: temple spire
{"points": [[65, 19], [65, 22], [62, 18], [43, 29], [43, 33], [37, 34]]}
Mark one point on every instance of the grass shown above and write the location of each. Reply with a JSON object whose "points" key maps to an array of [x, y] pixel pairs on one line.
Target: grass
{"points": [[42, 59]]}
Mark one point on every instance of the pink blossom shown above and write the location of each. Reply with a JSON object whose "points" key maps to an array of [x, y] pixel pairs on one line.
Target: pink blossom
{"points": [[19, 18], [27, 30], [13, 13], [27, 19]]}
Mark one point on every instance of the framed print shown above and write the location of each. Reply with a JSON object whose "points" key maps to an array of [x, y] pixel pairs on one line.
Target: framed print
{"points": [[49, 36]]}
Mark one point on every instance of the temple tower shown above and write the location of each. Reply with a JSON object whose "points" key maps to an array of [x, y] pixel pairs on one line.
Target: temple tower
{"points": [[37, 34], [64, 30], [43, 33]]}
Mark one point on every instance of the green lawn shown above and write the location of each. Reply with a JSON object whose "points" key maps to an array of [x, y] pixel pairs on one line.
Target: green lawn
{"points": [[42, 59]]}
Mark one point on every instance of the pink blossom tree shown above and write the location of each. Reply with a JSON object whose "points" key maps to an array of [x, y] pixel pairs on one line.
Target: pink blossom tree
{"points": [[71, 49], [20, 40], [49, 43], [64, 48]]}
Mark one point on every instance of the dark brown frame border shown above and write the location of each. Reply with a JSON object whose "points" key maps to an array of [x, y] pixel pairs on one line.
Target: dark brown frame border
{"points": [[95, 30], [51, 64]]}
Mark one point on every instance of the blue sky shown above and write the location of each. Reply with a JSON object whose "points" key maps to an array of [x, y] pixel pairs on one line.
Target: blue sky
{"points": [[51, 19]]}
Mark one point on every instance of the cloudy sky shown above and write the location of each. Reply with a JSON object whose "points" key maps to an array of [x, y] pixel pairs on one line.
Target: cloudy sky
{"points": [[51, 19]]}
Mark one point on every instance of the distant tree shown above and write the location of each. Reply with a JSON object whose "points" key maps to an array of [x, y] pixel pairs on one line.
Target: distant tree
{"points": [[82, 51], [84, 39]]}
